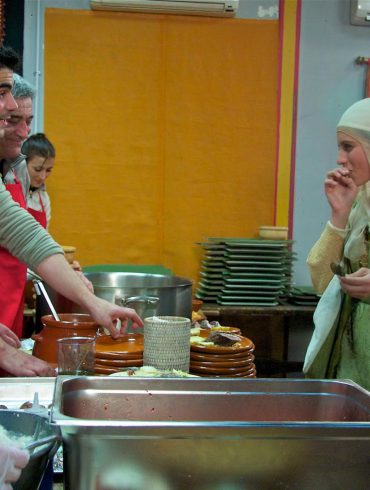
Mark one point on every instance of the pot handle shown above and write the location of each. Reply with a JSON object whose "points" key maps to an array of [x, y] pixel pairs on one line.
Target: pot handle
{"points": [[128, 300]]}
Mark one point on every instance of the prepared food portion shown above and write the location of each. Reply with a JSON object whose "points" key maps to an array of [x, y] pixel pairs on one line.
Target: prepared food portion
{"points": [[223, 338], [216, 335], [152, 372], [8, 437]]}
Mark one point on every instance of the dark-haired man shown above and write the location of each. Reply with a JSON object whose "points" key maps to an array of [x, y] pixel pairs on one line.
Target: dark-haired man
{"points": [[13, 169], [9, 61]]}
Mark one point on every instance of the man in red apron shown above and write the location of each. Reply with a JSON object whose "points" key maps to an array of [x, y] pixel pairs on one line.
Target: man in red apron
{"points": [[13, 272], [17, 130], [13, 278], [15, 176]]}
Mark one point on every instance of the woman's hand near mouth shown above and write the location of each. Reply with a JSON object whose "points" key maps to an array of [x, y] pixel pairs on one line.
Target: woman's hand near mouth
{"points": [[341, 191]]}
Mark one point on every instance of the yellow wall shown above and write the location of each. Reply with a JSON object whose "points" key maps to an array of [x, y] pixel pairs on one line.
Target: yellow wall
{"points": [[165, 131]]}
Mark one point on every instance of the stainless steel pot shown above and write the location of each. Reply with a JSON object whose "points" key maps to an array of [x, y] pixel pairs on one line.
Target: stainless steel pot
{"points": [[27, 424], [148, 294]]}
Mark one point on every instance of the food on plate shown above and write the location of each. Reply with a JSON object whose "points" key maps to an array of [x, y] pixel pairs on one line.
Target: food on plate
{"points": [[196, 339], [212, 326], [196, 316], [223, 338], [206, 324], [216, 335], [152, 372], [226, 329]]}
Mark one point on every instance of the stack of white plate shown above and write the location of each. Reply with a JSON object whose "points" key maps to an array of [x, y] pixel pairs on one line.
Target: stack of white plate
{"points": [[245, 271]]}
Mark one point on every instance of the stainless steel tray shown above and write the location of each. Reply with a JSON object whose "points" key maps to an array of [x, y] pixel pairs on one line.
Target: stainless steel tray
{"points": [[16, 391], [203, 434]]}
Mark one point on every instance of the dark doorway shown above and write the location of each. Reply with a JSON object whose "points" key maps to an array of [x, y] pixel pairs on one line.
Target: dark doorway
{"points": [[14, 24]]}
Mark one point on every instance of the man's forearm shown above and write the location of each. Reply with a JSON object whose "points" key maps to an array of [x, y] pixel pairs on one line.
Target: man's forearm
{"points": [[56, 271], [22, 235]]}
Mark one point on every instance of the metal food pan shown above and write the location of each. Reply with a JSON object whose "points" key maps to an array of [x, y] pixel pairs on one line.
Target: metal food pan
{"points": [[213, 433], [34, 427], [16, 391]]}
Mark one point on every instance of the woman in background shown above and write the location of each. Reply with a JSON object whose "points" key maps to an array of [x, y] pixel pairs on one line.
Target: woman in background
{"points": [[40, 157], [339, 262]]}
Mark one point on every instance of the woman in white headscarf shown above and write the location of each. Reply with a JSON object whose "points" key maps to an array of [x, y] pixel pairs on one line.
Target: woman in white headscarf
{"points": [[340, 345]]}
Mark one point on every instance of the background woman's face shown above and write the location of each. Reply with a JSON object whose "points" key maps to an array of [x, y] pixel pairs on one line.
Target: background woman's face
{"points": [[39, 169], [352, 156]]}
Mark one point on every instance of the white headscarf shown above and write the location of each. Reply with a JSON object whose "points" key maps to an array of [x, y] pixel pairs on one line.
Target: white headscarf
{"points": [[355, 122]]}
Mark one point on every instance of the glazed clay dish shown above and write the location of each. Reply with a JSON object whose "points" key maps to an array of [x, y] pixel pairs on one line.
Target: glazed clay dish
{"points": [[243, 363], [251, 375], [129, 344], [118, 363], [223, 372], [226, 357]]}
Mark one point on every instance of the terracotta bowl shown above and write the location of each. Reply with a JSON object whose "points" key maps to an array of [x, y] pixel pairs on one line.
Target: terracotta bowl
{"points": [[70, 325]]}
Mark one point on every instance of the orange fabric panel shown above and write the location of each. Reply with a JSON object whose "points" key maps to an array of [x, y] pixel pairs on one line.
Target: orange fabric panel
{"points": [[165, 130]]}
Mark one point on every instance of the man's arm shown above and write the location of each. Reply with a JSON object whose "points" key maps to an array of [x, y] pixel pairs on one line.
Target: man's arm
{"points": [[29, 242]]}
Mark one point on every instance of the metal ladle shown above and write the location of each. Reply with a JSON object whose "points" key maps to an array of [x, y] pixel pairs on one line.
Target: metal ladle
{"points": [[41, 442], [40, 290]]}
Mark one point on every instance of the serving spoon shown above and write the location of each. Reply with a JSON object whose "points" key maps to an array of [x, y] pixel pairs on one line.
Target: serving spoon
{"points": [[40, 290], [41, 442]]}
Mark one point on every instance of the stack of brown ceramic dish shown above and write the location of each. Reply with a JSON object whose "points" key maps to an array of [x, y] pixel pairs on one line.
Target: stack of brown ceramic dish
{"points": [[234, 361], [112, 356]]}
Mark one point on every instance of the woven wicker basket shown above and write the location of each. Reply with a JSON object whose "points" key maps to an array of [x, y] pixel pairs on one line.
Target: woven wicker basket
{"points": [[167, 342]]}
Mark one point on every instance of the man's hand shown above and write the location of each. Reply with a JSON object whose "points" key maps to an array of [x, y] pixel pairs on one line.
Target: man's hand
{"points": [[20, 363], [8, 336], [107, 314]]}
